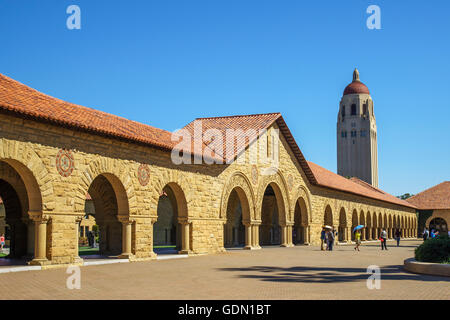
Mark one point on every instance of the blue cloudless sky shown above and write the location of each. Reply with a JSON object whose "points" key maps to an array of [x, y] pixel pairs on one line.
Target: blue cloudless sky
{"points": [[167, 62]]}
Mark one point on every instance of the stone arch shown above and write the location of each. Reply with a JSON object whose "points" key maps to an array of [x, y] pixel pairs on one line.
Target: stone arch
{"points": [[30, 167], [279, 185], [342, 229], [328, 216], [302, 192], [369, 226], [237, 211], [120, 180], [111, 208], [274, 214], [355, 222], [28, 190], [362, 221], [172, 211], [375, 226], [241, 184], [300, 233]]}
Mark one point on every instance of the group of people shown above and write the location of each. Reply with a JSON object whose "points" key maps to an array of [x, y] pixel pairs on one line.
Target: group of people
{"points": [[327, 236], [431, 234], [91, 239]]}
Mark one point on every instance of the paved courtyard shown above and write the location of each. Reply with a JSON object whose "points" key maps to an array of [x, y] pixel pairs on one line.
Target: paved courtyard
{"points": [[301, 272]]}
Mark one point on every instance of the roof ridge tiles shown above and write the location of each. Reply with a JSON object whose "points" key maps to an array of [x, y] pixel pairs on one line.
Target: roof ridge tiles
{"points": [[240, 116]]}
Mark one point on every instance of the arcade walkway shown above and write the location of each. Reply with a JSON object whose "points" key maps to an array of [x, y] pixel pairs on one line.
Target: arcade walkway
{"points": [[271, 273]]}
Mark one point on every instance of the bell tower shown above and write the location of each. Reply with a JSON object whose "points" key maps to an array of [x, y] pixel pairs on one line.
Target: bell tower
{"points": [[357, 154]]}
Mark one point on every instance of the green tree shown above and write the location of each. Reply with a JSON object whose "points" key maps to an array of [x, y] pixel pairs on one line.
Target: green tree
{"points": [[405, 196]]}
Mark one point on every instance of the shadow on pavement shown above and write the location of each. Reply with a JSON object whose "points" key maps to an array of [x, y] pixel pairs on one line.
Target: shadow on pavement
{"points": [[326, 274]]}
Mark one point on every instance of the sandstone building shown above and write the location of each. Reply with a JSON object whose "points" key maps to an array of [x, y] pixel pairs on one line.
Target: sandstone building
{"points": [[433, 207], [53, 153]]}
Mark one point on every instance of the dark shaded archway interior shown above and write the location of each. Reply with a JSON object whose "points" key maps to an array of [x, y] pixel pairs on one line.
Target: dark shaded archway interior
{"points": [[16, 234], [166, 230], [234, 230], [300, 222], [105, 212], [270, 230]]}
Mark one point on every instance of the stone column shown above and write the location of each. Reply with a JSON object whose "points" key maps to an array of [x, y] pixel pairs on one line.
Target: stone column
{"points": [[348, 231], [126, 237], [289, 235], [307, 236], [255, 236], [284, 241], [248, 236], [40, 238], [30, 237], [76, 257], [185, 237]]}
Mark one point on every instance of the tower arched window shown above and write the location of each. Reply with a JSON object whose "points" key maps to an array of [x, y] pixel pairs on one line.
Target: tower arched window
{"points": [[353, 109]]}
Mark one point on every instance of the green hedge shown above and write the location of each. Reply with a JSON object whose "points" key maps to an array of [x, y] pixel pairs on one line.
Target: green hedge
{"points": [[434, 250]]}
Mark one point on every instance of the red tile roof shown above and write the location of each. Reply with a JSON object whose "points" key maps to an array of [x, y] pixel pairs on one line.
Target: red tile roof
{"points": [[241, 124], [328, 179], [356, 87], [437, 197], [21, 100]]}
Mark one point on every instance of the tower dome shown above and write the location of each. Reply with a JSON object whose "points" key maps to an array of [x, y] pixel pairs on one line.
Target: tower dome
{"points": [[356, 87]]}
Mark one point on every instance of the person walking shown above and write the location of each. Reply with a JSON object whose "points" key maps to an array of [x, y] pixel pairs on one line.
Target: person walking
{"points": [[2, 241], [357, 239], [330, 240], [426, 234], [90, 238], [322, 238], [432, 234], [397, 237], [383, 238]]}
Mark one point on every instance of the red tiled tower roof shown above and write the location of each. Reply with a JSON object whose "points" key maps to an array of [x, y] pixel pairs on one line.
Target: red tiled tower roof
{"points": [[356, 87]]}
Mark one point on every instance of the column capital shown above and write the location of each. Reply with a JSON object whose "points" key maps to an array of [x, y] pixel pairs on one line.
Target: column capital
{"points": [[184, 220], [38, 217], [125, 219]]}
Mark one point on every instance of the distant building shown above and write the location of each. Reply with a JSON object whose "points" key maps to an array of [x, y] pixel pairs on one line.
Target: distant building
{"points": [[433, 207], [357, 154]]}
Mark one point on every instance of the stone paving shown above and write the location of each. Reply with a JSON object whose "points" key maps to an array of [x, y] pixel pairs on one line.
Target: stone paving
{"points": [[301, 272]]}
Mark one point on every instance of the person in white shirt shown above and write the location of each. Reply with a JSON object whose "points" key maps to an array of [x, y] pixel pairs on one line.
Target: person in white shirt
{"points": [[383, 237]]}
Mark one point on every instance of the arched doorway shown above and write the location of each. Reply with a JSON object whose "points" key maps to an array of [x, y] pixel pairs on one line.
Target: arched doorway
{"points": [[374, 226], [438, 224], [328, 216], [355, 222], [299, 231], [171, 231], [362, 221], [390, 227], [272, 216], [369, 226], [238, 212], [108, 202], [342, 230], [21, 197]]}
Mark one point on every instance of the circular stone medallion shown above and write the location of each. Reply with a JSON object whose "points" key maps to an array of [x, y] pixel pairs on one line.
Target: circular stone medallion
{"points": [[254, 174], [64, 162], [143, 174]]}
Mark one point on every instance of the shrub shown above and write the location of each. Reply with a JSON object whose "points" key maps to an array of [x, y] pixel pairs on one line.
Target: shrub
{"points": [[434, 250]]}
